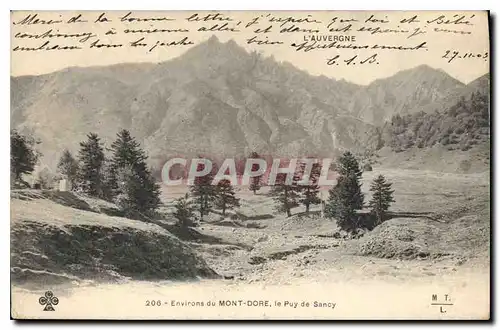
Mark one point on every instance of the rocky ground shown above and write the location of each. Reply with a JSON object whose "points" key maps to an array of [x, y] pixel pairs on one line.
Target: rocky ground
{"points": [[440, 231], [440, 225]]}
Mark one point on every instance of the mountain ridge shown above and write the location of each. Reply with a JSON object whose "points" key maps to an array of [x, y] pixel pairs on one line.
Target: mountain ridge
{"points": [[232, 42], [215, 98]]}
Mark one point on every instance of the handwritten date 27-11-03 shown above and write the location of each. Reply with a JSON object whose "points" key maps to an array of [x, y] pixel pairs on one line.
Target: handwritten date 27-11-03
{"points": [[453, 55], [352, 60]]}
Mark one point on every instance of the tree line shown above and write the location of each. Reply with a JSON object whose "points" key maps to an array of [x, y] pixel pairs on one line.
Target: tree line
{"points": [[462, 126], [124, 178], [344, 202]]}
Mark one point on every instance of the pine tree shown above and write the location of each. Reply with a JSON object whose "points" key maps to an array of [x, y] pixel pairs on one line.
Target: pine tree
{"points": [[23, 156], [225, 199], [381, 199], [346, 197], [309, 192], [203, 192], [109, 189], [125, 152], [349, 167], [339, 205], [131, 179], [285, 195], [68, 167], [126, 188], [184, 212], [256, 181], [91, 158]]}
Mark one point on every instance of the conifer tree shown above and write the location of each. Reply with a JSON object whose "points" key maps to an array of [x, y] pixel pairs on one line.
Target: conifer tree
{"points": [[127, 187], [346, 196], [339, 205], [285, 195], [131, 179], [203, 191], [91, 158], [68, 166], [225, 198], [309, 192], [23, 156], [256, 181], [126, 152], [184, 211], [381, 199], [349, 167], [109, 191]]}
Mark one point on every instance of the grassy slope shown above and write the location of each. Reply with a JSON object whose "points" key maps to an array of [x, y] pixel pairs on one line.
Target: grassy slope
{"points": [[56, 237], [438, 159], [435, 214]]}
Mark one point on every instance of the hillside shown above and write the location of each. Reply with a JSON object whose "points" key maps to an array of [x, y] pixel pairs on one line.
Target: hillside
{"points": [[463, 125], [404, 93], [218, 99], [58, 237]]}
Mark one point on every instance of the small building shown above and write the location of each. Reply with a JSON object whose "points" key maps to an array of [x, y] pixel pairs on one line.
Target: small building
{"points": [[64, 185]]}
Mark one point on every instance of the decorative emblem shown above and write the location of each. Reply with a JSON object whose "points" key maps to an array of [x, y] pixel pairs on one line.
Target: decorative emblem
{"points": [[49, 301]]}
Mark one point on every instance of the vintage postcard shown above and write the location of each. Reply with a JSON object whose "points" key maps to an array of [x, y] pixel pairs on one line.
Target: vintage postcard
{"points": [[250, 165]]}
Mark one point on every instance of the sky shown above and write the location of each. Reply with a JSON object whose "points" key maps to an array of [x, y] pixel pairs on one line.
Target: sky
{"points": [[444, 35]]}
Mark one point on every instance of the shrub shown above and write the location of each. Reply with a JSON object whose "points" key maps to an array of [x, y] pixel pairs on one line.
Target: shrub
{"points": [[184, 212]]}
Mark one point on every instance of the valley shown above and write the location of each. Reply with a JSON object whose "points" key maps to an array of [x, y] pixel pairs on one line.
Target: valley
{"points": [[439, 237], [259, 233]]}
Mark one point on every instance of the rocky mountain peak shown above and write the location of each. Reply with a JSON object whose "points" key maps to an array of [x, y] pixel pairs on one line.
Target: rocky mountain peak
{"points": [[217, 98]]}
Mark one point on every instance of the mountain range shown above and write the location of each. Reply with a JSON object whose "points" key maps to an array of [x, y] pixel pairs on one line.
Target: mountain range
{"points": [[217, 99]]}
